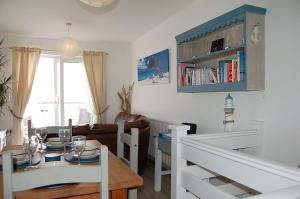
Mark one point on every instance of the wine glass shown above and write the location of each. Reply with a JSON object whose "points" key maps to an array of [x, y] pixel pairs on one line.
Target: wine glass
{"points": [[78, 143], [41, 134], [30, 145], [64, 136]]}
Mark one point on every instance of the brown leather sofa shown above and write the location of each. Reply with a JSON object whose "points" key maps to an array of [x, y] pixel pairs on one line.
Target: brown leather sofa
{"points": [[107, 135]]}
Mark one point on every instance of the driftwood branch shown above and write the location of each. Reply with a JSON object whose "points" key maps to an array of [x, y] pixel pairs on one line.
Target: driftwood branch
{"points": [[125, 96]]}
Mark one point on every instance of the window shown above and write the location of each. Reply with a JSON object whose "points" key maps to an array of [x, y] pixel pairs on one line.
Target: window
{"points": [[59, 92]]}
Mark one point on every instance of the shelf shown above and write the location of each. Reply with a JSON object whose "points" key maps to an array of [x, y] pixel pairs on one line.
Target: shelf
{"points": [[236, 28], [219, 87], [214, 54]]}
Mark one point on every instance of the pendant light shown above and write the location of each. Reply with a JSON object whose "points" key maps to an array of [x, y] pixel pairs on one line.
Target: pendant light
{"points": [[67, 47]]}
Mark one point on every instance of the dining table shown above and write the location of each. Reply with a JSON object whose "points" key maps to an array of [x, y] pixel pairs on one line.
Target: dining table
{"points": [[121, 178]]}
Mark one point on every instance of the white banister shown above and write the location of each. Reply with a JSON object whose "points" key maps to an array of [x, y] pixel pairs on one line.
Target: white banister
{"points": [[287, 193], [213, 155], [177, 162]]}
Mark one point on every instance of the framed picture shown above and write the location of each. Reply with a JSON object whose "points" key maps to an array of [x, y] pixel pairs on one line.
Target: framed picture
{"points": [[154, 69]]}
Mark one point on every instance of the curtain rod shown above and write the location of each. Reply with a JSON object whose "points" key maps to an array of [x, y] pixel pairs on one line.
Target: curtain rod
{"points": [[44, 50]]}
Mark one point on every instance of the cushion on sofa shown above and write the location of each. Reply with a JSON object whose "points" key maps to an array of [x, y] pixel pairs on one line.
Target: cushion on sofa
{"points": [[140, 124], [126, 116]]}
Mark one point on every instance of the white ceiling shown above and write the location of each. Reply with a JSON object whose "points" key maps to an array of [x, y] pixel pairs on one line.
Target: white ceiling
{"points": [[125, 20]]}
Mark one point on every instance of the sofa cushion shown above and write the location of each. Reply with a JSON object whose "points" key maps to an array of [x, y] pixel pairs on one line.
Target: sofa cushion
{"points": [[126, 116], [140, 124]]}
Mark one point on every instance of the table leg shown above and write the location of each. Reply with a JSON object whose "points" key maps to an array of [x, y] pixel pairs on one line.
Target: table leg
{"points": [[119, 194]]}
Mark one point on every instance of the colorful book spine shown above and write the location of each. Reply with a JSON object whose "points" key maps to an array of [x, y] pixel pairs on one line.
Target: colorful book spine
{"points": [[218, 74], [238, 71], [225, 72], [221, 70], [242, 66], [233, 70], [229, 75]]}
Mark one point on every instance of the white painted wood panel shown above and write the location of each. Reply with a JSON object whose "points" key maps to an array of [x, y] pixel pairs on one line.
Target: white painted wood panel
{"points": [[213, 155]]}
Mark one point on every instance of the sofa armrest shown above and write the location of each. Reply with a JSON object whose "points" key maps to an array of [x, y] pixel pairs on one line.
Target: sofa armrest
{"points": [[140, 124], [81, 130], [105, 128]]}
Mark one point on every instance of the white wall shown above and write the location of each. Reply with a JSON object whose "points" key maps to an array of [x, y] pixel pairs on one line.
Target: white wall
{"points": [[277, 106], [118, 67]]}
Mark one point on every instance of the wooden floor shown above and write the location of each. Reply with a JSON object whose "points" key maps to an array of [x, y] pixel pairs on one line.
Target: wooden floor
{"points": [[147, 192]]}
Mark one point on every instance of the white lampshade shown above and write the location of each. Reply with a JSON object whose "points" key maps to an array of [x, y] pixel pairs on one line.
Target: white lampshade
{"points": [[97, 3], [67, 47]]}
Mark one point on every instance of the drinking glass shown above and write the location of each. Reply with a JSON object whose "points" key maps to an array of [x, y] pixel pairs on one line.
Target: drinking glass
{"points": [[78, 144], [30, 145], [64, 136], [41, 134]]}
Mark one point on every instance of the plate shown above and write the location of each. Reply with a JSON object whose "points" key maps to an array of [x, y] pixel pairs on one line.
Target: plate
{"points": [[89, 150], [86, 157], [55, 186], [23, 163], [55, 142], [54, 148], [18, 155], [71, 158]]}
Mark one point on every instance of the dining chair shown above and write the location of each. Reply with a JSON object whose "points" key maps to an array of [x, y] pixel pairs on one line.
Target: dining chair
{"points": [[45, 176], [50, 129], [133, 142]]}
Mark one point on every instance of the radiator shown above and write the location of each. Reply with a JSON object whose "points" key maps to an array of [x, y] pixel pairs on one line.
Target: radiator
{"points": [[157, 126]]}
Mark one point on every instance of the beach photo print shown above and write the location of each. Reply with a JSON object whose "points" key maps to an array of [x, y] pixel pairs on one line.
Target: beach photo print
{"points": [[154, 69]]}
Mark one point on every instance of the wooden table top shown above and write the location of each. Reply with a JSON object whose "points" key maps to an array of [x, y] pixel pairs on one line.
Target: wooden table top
{"points": [[120, 177]]}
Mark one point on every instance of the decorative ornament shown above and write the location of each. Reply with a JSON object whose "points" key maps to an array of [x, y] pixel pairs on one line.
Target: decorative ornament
{"points": [[256, 34], [228, 111], [125, 96]]}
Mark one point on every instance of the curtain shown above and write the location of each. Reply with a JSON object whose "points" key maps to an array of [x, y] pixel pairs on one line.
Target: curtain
{"points": [[24, 63], [95, 64]]}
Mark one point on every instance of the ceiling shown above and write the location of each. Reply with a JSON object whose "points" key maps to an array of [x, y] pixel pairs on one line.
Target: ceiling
{"points": [[124, 21]]}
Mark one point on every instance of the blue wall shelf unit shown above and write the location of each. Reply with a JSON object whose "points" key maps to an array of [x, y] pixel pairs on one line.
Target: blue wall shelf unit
{"points": [[224, 54]]}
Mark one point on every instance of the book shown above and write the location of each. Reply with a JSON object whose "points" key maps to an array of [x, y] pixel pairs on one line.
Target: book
{"points": [[212, 75], [225, 72], [242, 65], [233, 70], [238, 67], [230, 72], [221, 70], [218, 74]]}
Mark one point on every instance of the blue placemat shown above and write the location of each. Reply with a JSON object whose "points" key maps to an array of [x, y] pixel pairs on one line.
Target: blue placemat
{"points": [[52, 157], [71, 158], [35, 161], [55, 148]]}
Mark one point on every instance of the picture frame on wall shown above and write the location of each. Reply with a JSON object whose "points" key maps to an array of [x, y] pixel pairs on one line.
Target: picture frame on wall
{"points": [[154, 69]]}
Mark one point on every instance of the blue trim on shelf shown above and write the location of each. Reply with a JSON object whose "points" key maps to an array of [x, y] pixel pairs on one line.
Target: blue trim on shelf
{"points": [[220, 87], [227, 19]]}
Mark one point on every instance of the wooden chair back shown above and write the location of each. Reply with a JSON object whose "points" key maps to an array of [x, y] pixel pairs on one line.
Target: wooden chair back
{"points": [[132, 140], [19, 181], [50, 129]]}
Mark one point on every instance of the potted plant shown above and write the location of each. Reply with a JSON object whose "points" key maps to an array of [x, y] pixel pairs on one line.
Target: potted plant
{"points": [[4, 81]]}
